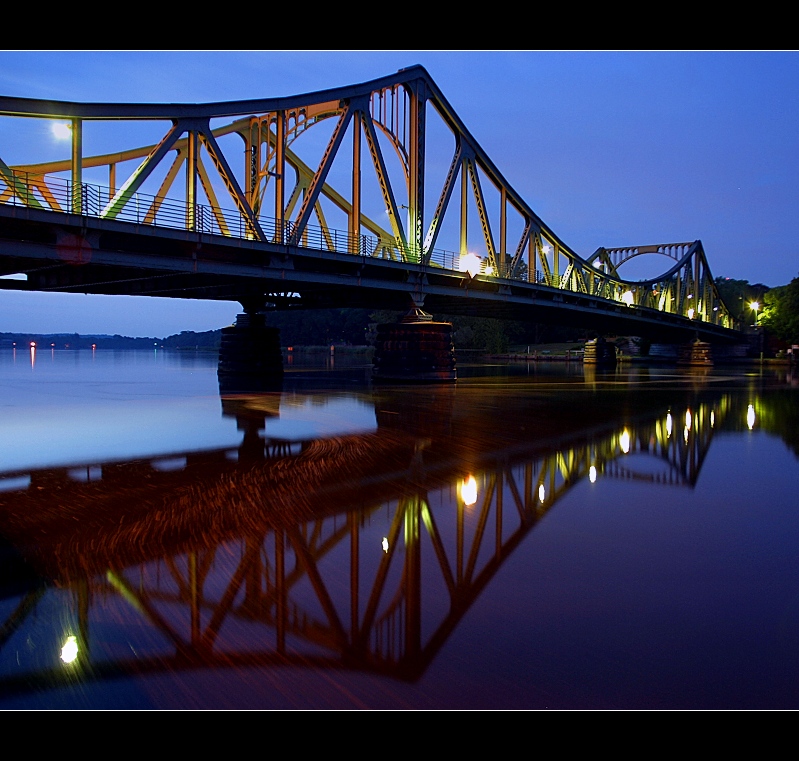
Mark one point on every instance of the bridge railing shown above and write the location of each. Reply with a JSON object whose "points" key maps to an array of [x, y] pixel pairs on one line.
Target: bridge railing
{"points": [[62, 195]]}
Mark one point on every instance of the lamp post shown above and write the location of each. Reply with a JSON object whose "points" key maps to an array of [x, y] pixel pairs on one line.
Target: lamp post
{"points": [[754, 306]]}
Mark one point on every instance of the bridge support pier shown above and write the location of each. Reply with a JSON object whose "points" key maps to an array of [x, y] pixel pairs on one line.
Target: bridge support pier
{"points": [[696, 354], [414, 350], [249, 356], [599, 352]]}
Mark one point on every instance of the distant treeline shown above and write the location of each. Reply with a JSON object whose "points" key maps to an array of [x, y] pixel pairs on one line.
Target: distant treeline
{"points": [[186, 340], [316, 327], [356, 327]]}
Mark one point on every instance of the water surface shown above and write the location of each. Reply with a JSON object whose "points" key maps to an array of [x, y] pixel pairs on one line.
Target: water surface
{"points": [[531, 537]]}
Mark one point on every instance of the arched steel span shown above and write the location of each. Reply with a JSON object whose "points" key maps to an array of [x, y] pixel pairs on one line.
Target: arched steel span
{"points": [[396, 210]]}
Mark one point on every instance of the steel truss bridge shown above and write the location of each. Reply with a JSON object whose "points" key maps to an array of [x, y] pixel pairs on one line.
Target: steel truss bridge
{"points": [[300, 572], [371, 195]]}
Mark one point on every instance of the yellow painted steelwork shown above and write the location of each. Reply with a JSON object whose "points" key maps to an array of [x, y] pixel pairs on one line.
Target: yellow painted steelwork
{"points": [[390, 115]]}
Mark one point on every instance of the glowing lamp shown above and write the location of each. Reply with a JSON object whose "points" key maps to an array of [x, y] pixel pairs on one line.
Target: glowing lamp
{"points": [[470, 263], [469, 490]]}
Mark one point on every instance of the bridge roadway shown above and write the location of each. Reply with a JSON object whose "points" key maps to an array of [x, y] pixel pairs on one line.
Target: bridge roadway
{"points": [[70, 254], [66, 235]]}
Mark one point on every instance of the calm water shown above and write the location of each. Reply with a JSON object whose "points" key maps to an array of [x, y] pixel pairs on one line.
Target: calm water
{"points": [[542, 537]]}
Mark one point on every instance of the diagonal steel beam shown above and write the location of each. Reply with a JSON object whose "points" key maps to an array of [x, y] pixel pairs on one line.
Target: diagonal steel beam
{"points": [[320, 176], [145, 169]]}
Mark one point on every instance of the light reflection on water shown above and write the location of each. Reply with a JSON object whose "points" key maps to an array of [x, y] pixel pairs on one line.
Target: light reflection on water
{"points": [[530, 537]]}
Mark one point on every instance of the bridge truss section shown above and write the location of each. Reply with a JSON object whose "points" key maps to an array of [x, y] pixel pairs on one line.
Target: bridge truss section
{"points": [[383, 169]]}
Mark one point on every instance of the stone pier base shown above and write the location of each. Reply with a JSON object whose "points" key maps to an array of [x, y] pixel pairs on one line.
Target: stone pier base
{"points": [[599, 352], [696, 354], [414, 350]]}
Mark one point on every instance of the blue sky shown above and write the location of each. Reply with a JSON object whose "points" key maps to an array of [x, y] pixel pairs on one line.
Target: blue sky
{"points": [[609, 148]]}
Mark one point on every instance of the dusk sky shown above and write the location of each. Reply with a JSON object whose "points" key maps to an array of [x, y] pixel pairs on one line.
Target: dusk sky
{"points": [[608, 148]]}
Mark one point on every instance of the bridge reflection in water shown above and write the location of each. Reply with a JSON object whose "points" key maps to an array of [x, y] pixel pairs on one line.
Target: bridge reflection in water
{"points": [[357, 552]]}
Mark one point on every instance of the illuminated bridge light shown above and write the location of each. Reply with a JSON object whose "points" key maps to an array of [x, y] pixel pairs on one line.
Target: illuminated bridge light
{"points": [[384, 544], [470, 263], [469, 490], [541, 494], [750, 417], [624, 441], [592, 474], [668, 424], [688, 419], [627, 298]]}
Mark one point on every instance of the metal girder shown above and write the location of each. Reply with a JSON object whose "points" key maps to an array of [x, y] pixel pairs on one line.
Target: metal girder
{"points": [[398, 108], [225, 172], [135, 181], [443, 202], [385, 183], [315, 187], [482, 213]]}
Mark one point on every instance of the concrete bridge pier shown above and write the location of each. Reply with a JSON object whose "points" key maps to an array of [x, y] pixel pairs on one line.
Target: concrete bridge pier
{"points": [[414, 350], [695, 353], [250, 360], [599, 352]]}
